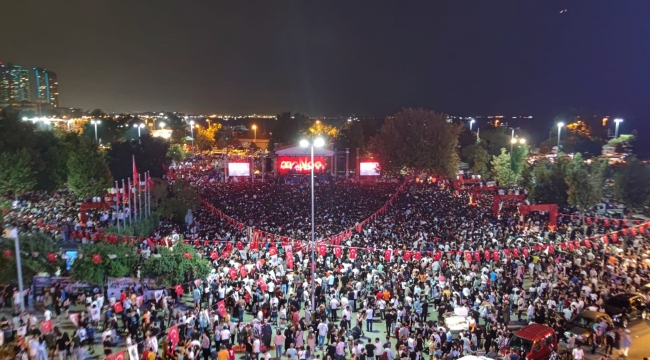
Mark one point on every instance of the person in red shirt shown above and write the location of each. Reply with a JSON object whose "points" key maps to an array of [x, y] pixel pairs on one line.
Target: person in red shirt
{"points": [[122, 296]]}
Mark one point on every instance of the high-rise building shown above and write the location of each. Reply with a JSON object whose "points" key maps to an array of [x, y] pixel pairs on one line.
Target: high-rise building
{"points": [[14, 83], [46, 86]]}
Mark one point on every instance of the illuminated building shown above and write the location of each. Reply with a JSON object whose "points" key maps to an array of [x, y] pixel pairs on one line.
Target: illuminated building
{"points": [[46, 86], [14, 83]]}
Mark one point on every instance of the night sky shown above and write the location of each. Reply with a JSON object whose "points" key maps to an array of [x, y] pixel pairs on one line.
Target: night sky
{"points": [[369, 58]]}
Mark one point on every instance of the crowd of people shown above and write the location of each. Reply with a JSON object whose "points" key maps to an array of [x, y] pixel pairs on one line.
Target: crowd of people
{"points": [[423, 278]]}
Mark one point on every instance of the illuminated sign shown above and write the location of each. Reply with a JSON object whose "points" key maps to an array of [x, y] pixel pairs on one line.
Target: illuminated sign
{"points": [[239, 169], [301, 164], [369, 169]]}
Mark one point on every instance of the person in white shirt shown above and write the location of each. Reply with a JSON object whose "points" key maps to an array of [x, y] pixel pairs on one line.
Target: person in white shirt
{"points": [[334, 305], [578, 353], [369, 320]]}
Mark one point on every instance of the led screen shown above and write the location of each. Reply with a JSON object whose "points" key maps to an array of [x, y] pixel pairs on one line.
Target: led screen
{"points": [[369, 169], [239, 169], [301, 164]]}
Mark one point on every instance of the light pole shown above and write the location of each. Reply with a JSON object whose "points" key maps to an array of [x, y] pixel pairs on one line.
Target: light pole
{"points": [[192, 132], [617, 121], [559, 132], [318, 142], [162, 125], [95, 122], [471, 122], [138, 126], [254, 127]]}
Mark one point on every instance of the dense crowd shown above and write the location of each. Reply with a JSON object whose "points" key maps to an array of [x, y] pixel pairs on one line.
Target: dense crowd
{"points": [[413, 289]]}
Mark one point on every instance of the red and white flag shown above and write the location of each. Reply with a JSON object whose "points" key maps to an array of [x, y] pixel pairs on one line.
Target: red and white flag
{"points": [[117, 356], [172, 335]]}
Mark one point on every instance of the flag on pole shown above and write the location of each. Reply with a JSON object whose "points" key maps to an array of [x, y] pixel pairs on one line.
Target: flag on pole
{"points": [[135, 170]]}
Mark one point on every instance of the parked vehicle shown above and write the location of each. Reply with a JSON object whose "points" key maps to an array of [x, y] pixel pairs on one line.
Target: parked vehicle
{"points": [[582, 326], [626, 307], [537, 341]]}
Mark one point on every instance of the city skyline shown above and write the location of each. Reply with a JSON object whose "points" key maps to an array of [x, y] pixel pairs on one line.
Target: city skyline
{"points": [[343, 58]]}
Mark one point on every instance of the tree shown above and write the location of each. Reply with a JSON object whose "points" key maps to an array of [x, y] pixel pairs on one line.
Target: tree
{"points": [[319, 128], [205, 137], [418, 140], [150, 155], [16, 174], [117, 260], [179, 198], [548, 184], [50, 160], [173, 266], [501, 171], [176, 153], [585, 184], [34, 249], [88, 172], [632, 183], [481, 161]]}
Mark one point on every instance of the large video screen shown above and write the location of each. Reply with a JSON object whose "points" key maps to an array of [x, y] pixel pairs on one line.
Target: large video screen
{"points": [[369, 169], [239, 169], [301, 164]]}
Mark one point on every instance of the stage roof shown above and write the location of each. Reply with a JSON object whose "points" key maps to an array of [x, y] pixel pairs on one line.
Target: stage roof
{"points": [[301, 151]]}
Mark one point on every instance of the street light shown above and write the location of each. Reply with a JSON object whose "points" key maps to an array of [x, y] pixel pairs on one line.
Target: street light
{"points": [[192, 132], [318, 142], [254, 127], [617, 121], [162, 125], [513, 141], [471, 122], [559, 131], [95, 122], [138, 126]]}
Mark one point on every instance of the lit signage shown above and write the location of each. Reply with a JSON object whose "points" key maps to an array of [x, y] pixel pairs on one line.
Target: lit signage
{"points": [[301, 164], [369, 169], [239, 169]]}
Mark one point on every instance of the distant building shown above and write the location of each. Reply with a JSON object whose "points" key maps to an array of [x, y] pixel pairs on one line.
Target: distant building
{"points": [[14, 83], [46, 87]]}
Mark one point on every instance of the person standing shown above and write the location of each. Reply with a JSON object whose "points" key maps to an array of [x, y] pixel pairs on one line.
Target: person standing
{"points": [[279, 342], [578, 353], [626, 343], [369, 320]]}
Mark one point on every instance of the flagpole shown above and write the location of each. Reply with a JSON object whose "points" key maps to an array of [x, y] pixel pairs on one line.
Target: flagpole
{"points": [[131, 202], [117, 214], [124, 189], [139, 199], [148, 182]]}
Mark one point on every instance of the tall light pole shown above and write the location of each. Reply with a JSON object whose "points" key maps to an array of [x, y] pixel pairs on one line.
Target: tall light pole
{"points": [[559, 132], [617, 121], [254, 127], [192, 132], [95, 122], [318, 142], [471, 122], [138, 126]]}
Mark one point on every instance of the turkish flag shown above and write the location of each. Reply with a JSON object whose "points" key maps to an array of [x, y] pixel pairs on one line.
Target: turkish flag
{"points": [[322, 249], [121, 355], [418, 255], [179, 290], [337, 251], [468, 256], [240, 245], [605, 239], [97, 259], [571, 246], [254, 244], [624, 231], [606, 222], [551, 249], [214, 255], [387, 255], [243, 272], [437, 256], [228, 246], [233, 273], [507, 252], [172, 335], [261, 284], [408, 255], [563, 245], [525, 251], [289, 259], [588, 221], [576, 244], [353, 253], [633, 231], [515, 252], [486, 255], [197, 243], [477, 255], [538, 248], [495, 255], [615, 238], [118, 307], [273, 251], [587, 244], [46, 326], [221, 305]]}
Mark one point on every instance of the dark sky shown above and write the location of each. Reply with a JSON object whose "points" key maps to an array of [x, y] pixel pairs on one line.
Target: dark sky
{"points": [[338, 57]]}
